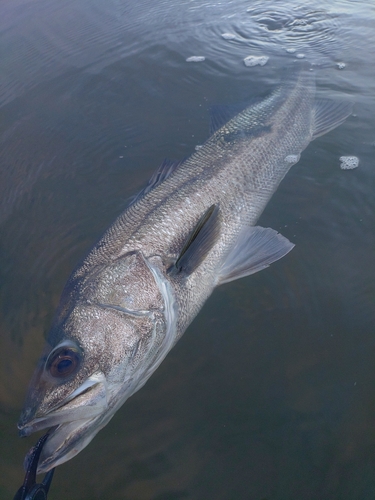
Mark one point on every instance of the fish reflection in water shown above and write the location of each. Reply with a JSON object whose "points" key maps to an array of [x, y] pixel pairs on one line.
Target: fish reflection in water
{"points": [[191, 229]]}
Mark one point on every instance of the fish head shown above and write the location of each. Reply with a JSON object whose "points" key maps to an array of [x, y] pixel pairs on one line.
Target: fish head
{"points": [[106, 341]]}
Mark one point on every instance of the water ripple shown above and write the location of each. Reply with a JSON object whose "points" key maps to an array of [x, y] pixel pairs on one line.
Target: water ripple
{"points": [[300, 28], [93, 35]]}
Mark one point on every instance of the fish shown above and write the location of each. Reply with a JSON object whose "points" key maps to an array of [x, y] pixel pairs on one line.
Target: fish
{"points": [[191, 229]]}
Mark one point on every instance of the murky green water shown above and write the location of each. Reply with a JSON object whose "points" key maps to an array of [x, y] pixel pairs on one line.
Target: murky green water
{"points": [[270, 394]]}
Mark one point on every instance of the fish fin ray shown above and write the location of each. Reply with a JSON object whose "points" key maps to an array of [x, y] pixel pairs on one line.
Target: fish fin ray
{"points": [[256, 248], [329, 114], [165, 169], [199, 242], [220, 114]]}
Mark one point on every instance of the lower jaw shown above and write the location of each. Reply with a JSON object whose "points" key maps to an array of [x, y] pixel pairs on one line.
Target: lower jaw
{"points": [[61, 445]]}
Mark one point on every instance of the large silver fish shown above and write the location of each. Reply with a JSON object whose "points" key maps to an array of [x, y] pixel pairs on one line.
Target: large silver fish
{"points": [[191, 229]]}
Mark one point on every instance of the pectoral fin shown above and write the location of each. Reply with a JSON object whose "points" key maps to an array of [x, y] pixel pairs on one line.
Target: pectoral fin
{"points": [[256, 248], [199, 242]]}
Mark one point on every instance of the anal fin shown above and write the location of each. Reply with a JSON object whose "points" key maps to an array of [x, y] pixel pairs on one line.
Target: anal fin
{"points": [[255, 249], [329, 114]]}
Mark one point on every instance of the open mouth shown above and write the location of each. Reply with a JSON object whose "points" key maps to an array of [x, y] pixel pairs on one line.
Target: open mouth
{"points": [[72, 423], [56, 419], [65, 441], [86, 402]]}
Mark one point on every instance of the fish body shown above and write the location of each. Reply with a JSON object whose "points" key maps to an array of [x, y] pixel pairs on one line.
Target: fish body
{"points": [[191, 229]]}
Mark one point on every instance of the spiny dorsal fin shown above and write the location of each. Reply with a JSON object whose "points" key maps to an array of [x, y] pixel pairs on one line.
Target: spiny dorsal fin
{"points": [[256, 248], [166, 168], [329, 114], [199, 242]]}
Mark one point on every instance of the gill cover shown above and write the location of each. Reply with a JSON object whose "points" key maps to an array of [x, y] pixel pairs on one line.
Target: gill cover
{"points": [[127, 284]]}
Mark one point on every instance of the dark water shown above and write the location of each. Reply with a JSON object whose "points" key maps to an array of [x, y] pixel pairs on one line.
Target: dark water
{"points": [[270, 394]]}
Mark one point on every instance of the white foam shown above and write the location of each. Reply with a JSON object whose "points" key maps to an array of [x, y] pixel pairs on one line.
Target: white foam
{"points": [[300, 56], [291, 50], [292, 159], [349, 162], [255, 60], [340, 65], [195, 59], [228, 36]]}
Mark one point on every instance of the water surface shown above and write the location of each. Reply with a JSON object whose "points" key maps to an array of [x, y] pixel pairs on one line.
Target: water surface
{"points": [[270, 393]]}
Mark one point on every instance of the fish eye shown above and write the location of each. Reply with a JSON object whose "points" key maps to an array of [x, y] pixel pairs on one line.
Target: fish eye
{"points": [[63, 361]]}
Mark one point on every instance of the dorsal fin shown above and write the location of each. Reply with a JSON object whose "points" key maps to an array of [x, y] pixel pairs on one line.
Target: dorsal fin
{"points": [[165, 169], [199, 242], [220, 114]]}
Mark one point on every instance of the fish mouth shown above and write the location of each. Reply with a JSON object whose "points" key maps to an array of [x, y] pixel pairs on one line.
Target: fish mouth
{"points": [[65, 441], [72, 424], [56, 419]]}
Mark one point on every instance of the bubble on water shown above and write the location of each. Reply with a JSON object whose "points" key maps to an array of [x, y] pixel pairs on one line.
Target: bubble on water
{"points": [[300, 56], [292, 159], [349, 162], [291, 50], [340, 65], [255, 60], [195, 59], [228, 36]]}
